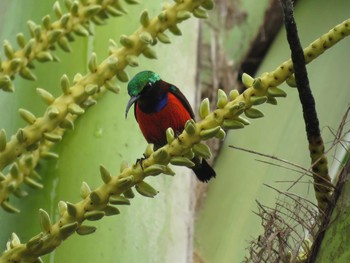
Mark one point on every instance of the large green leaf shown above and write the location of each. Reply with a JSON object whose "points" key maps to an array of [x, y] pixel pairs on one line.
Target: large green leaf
{"points": [[226, 222], [151, 230]]}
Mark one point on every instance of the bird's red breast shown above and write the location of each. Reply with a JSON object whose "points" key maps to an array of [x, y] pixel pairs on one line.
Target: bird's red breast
{"points": [[154, 125]]}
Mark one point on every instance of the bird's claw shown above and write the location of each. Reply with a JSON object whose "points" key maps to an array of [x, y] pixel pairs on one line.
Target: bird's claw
{"points": [[140, 160]]}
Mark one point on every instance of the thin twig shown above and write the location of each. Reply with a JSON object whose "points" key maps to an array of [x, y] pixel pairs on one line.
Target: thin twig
{"points": [[304, 170], [307, 170]]}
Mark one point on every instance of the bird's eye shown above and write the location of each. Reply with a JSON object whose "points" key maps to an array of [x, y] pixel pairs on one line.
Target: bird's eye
{"points": [[147, 87]]}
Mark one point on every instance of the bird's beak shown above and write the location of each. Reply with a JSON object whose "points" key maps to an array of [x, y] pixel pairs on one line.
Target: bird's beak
{"points": [[130, 103]]}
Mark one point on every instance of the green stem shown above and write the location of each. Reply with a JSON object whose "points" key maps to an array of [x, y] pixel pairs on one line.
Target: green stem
{"points": [[44, 38]]}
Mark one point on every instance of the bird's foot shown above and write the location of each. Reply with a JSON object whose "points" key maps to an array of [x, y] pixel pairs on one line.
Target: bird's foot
{"points": [[140, 160]]}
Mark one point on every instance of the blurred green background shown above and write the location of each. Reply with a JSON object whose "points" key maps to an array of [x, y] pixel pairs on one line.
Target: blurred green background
{"points": [[226, 223]]}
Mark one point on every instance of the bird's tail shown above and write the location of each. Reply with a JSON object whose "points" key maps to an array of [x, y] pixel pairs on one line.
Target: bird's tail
{"points": [[203, 171]]}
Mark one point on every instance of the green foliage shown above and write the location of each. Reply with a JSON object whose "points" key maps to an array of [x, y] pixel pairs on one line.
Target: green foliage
{"points": [[42, 132]]}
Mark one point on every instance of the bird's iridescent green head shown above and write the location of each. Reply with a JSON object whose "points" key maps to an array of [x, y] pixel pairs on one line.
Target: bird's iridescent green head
{"points": [[140, 80], [137, 84]]}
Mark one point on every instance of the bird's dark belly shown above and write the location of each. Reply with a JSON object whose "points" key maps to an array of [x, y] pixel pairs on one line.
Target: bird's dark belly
{"points": [[154, 125]]}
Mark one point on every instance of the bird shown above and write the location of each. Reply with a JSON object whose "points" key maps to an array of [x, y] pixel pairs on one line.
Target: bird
{"points": [[159, 105]]}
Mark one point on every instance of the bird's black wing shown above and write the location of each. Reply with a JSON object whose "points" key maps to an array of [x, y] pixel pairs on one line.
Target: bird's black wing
{"points": [[178, 94]]}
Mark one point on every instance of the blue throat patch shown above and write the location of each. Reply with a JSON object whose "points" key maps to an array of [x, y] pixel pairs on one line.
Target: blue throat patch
{"points": [[162, 103]]}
